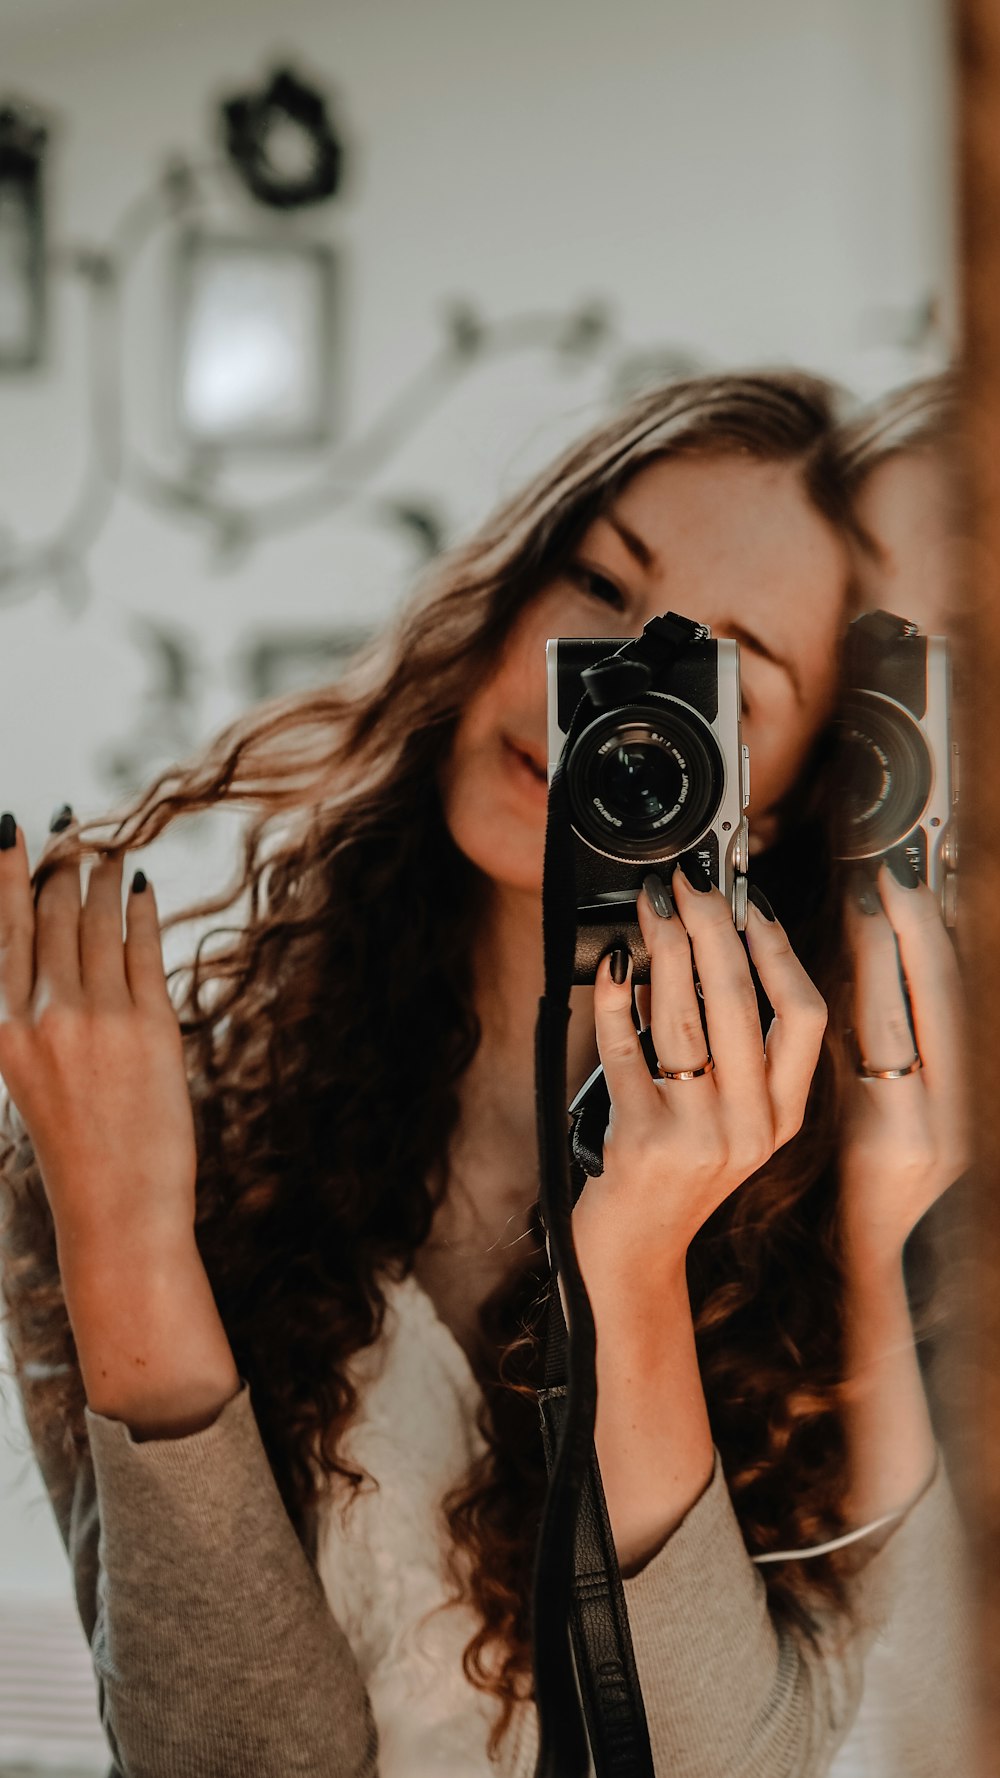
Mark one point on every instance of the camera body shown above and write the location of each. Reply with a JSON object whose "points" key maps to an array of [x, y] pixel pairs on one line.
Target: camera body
{"points": [[648, 733], [900, 760]]}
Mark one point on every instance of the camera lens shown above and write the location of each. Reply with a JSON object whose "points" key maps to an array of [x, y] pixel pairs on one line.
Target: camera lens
{"points": [[885, 775], [645, 781], [640, 782]]}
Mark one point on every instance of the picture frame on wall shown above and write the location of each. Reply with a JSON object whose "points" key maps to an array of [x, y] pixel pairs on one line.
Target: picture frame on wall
{"points": [[255, 342]]}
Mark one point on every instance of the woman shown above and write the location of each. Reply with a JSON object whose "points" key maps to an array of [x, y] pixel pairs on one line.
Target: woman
{"points": [[357, 1183], [898, 459]]}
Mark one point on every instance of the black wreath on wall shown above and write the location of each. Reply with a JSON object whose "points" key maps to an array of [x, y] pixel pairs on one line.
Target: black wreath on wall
{"points": [[283, 144]]}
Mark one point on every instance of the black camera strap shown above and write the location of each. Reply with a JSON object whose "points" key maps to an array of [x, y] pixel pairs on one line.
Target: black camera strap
{"points": [[578, 1602]]}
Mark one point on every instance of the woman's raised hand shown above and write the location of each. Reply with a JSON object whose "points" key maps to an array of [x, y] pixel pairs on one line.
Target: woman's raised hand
{"points": [[675, 1149], [91, 1052], [906, 1138]]}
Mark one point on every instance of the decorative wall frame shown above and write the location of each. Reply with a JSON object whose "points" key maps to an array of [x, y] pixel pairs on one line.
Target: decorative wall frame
{"points": [[255, 342], [23, 306]]}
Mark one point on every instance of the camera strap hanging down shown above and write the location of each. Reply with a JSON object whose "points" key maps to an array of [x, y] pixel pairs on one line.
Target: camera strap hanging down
{"points": [[578, 1602]]}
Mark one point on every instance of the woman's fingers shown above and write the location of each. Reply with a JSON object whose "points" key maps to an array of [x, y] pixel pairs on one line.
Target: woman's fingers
{"points": [[633, 1094], [144, 947], [731, 1013], [102, 960], [674, 1012], [795, 1035], [931, 971], [881, 1020], [57, 939], [17, 929]]}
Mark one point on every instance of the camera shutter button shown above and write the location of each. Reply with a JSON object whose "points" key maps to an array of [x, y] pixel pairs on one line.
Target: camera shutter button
{"points": [[741, 846]]}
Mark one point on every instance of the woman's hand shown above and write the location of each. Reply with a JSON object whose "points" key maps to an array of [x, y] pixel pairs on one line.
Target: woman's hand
{"points": [[675, 1149], [91, 1052], [906, 1139]]}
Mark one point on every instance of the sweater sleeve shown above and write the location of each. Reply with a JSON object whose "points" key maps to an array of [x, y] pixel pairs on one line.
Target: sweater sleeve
{"points": [[730, 1694], [215, 1650]]}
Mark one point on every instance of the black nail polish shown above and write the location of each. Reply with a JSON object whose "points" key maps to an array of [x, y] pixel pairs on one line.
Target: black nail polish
{"points": [[902, 867], [659, 896], [761, 902], [619, 964], [8, 832], [866, 896], [61, 819], [696, 873], [138, 882]]}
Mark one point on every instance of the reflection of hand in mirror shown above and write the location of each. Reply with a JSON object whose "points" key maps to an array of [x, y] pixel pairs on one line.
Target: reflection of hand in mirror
{"points": [[906, 1139]]}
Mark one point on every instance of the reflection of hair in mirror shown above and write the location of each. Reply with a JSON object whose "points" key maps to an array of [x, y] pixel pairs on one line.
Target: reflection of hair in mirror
{"points": [[919, 414], [900, 462], [347, 989]]}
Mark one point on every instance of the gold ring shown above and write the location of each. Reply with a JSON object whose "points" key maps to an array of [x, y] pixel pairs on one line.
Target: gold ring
{"points": [[685, 1073], [866, 1073]]}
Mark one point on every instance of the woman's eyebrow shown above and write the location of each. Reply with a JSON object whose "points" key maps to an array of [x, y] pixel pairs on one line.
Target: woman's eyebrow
{"points": [[648, 559]]}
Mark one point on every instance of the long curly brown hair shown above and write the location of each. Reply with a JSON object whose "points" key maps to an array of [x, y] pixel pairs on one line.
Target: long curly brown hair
{"points": [[319, 1174]]}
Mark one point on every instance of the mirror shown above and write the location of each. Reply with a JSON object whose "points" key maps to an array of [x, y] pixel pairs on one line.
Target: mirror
{"points": [[352, 367]]}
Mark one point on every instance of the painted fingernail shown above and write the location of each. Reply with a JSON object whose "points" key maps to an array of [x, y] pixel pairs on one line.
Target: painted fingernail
{"points": [[695, 873], [619, 964], [903, 868], [8, 832], [61, 819], [138, 882], [761, 902], [865, 894], [658, 895]]}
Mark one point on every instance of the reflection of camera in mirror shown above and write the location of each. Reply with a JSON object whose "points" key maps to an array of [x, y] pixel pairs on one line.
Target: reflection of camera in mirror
{"points": [[649, 736], [899, 762]]}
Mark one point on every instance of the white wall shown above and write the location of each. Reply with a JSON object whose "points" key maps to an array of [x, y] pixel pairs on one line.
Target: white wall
{"points": [[755, 182]]}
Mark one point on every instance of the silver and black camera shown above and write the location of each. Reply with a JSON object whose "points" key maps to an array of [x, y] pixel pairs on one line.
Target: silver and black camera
{"points": [[647, 734], [899, 761]]}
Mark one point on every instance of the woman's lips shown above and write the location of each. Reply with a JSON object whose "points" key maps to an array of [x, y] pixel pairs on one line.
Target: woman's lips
{"points": [[529, 770]]}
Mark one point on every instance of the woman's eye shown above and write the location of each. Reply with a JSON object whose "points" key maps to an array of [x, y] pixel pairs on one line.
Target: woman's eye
{"points": [[597, 585]]}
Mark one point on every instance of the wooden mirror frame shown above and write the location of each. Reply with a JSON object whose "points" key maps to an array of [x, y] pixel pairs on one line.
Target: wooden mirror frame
{"points": [[977, 25]]}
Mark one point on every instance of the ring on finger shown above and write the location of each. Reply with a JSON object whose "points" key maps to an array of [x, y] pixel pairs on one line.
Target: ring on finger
{"points": [[686, 1073], [866, 1073]]}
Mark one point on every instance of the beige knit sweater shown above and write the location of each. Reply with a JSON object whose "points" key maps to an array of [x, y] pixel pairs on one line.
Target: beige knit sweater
{"points": [[218, 1655]]}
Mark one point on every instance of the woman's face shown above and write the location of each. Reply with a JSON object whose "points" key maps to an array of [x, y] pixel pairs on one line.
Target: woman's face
{"points": [[905, 505], [729, 541]]}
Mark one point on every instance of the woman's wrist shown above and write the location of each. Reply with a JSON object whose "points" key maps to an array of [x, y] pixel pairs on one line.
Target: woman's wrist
{"points": [[873, 1256], [152, 1348]]}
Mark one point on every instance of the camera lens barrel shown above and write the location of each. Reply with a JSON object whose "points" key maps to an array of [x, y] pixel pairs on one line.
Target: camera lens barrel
{"points": [[645, 780], [887, 774]]}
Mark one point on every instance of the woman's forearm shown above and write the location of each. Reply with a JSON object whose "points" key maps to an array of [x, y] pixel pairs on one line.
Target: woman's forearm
{"points": [[151, 1345], [890, 1436], [652, 1434]]}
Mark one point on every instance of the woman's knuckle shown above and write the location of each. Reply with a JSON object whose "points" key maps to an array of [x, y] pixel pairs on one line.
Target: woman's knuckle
{"points": [[756, 1147], [689, 1030], [58, 1024], [897, 1029], [710, 1152]]}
